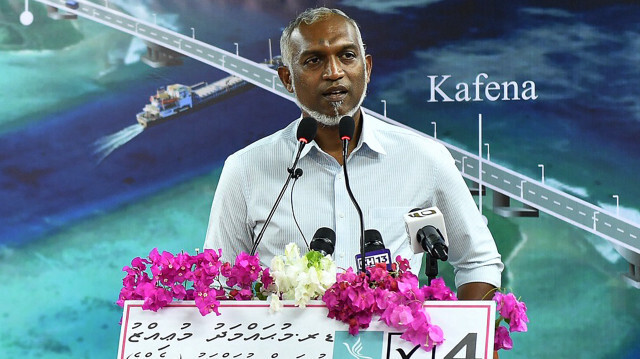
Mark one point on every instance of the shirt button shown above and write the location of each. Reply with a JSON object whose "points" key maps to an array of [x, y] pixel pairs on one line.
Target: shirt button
{"points": [[341, 255], [341, 215]]}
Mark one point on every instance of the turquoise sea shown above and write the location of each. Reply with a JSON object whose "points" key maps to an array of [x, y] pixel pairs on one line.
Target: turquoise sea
{"points": [[70, 223]]}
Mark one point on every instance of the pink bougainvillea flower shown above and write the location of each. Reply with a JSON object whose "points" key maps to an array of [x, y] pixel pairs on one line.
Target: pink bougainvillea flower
{"points": [[438, 290], [266, 278], [245, 271], [502, 340], [403, 264], [512, 310]]}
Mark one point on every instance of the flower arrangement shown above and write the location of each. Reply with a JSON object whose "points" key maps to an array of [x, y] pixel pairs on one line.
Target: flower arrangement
{"points": [[394, 296], [211, 280]]}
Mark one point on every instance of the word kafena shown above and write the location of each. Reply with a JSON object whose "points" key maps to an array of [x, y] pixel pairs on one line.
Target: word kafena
{"points": [[479, 91]]}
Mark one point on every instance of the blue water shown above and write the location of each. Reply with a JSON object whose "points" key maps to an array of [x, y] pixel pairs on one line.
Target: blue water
{"points": [[63, 208]]}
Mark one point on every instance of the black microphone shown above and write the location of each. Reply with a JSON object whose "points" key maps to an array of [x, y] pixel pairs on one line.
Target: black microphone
{"points": [[346, 128], [375, 251], [427, 232], [324, 241], [306, 132], [373, 240], [432, 242]]}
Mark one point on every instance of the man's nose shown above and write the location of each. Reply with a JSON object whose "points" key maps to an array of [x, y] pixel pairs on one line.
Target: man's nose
{"points": [[333, 70]]}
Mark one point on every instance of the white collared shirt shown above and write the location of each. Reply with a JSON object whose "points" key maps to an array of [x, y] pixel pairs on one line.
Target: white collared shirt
{"points": [[391, 171]]}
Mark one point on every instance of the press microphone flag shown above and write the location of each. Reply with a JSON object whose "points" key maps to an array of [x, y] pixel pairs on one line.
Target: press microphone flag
{"points": [[427, 232], [375, 251]]}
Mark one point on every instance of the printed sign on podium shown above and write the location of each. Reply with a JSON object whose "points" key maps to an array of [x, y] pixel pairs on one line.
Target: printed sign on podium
{"points": [[249, 330]]}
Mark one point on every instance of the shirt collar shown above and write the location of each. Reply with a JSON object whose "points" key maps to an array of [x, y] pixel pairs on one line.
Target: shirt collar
{"points": [[368, 136], [370, 133]]}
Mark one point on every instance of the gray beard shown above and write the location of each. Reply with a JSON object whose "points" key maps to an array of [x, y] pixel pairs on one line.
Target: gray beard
{"points": [[326, 120]]}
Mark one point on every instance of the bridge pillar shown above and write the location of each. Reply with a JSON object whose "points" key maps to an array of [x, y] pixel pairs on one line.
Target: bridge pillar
{"points": [[158, 56], [502, 207], [476, 191], [633, 276], [54, 13]]}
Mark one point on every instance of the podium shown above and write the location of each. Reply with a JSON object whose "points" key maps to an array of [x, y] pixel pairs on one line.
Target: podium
{"points": [[248, 329]]}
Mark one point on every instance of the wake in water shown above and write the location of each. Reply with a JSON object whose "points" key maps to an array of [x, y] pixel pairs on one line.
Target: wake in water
{"points": [[107, 144]]}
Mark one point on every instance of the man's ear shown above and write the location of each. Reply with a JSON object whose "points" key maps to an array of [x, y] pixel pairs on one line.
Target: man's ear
{"points": [[369, 61], [285, 77]]}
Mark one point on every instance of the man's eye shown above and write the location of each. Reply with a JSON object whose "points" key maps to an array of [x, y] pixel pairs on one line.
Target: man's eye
{"points": [[312, 60], [349, 55]]}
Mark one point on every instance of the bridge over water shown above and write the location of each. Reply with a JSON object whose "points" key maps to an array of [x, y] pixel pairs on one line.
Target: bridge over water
{"points": [[506, 184]]}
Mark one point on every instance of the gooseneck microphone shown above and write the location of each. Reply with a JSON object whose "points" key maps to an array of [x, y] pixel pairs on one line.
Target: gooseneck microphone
{"points": [[306, 132], [324, 241], [346, 129]]}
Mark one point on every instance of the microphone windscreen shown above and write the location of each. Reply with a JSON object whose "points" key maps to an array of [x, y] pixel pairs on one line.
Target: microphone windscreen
{"points": [[346, 127], [372, 240], [324, 240], [307, 129]]}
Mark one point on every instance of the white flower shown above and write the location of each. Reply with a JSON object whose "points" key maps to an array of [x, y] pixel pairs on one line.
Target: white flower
{"points": [[292, 252], [298, 279], [277, 264], [275, 305]]}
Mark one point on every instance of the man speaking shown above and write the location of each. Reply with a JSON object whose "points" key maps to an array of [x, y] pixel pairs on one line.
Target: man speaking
{"points": [[391, 170]]}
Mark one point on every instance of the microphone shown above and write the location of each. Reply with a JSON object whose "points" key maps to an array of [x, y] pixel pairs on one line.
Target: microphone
{"points": [[375, 251], [346, 128], [324, 241], [306, 132], [427, 232]]}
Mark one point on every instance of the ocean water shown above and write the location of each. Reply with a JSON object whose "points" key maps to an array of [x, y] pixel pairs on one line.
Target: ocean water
{"points": [[72, 222]]}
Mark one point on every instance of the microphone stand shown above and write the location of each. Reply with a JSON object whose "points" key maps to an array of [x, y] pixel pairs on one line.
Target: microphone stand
{"points": [[293, 173], [431, 267], [345, 145], [431, 271]]}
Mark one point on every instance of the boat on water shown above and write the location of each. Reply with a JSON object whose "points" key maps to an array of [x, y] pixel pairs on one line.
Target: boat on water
{"points": [[171, 101]]}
